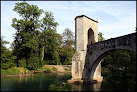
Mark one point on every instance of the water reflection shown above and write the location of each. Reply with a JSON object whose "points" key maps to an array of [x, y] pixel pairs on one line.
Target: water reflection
{"points": [[87, 87], [97, 86], [41, 82], [19, 79], [36, 82], [32, 76]]}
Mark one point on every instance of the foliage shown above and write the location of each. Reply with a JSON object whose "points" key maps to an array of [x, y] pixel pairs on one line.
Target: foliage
{"points": [[68, 37], [7, 58], [120, 68], [100, 37], [66, 54], [34, 63], [36, 41], [44, 69], [121, 64], [68, 69], [54, 69], [56, 58], [26, 43], [14, 71], [60, 87], [9, 72], [50, 40], [43, 62], [34, 36], [22, 62]]}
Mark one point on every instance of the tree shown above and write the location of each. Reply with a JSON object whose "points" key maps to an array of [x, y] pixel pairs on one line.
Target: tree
{"points": [[27, 35], [100, 37], [68, 37], [122, 66], [66, 54], [50, 39], [7, 58], [48, 28]]}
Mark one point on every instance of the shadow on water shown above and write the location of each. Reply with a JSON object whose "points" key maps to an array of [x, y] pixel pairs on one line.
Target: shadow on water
{"points": [[87, 87]]}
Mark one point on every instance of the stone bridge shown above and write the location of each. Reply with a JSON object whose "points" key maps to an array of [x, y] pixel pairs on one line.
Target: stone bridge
{"points": [[97, 51], [86, 62]]}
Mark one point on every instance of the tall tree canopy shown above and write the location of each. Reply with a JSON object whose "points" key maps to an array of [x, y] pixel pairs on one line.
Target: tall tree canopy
{"points": [[66, 51], [36, 40], [68, 37], [50, 39], [27, 34], [7, 59]]}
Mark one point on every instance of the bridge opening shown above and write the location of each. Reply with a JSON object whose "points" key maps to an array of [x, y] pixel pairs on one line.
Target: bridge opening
{"points": [[90, 36], [118, 66]]}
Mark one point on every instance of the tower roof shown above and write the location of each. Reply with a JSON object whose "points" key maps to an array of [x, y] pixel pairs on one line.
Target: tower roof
{"points": [[86, 17]]}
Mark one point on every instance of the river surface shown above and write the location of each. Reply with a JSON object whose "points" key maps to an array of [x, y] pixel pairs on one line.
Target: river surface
{"points": [[41, 82]]}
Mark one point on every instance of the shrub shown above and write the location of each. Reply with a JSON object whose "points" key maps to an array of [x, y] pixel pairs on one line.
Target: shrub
{"points": [[10, 71], [66, 69], [14, 71], [60, 87], [54, 69], [44, 69], [48, 70]]}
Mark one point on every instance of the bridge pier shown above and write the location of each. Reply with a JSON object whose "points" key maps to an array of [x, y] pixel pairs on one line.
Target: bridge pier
{"points": [[97, 75], [80, 74], [86, 62]]}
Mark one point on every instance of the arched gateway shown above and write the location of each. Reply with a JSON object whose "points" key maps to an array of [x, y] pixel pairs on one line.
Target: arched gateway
{"points": [[86, 61]]}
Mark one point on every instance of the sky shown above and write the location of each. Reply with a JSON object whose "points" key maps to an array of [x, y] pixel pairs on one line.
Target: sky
{"points": [[115, 18]]}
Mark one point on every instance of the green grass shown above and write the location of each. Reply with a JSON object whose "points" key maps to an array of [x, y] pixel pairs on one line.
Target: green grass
{"points": [[44, 69], [14, 71], [66, 69], [54, 69]]}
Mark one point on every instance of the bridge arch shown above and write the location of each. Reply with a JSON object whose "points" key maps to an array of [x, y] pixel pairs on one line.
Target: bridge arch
{"points": [[87, 56], [97, 51], [98, 61]]}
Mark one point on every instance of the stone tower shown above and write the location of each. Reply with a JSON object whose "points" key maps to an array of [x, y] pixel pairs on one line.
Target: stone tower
{"points": [[86, 32]]}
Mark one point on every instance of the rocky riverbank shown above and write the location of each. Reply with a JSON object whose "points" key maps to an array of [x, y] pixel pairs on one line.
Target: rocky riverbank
{"points": [[54, 69]]}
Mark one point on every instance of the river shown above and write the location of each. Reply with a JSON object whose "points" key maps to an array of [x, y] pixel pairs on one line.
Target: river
{"points": [[41, 82]]}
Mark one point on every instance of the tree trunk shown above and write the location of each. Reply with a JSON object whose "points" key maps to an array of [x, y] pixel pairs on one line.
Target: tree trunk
{"points": [[42, 53]]}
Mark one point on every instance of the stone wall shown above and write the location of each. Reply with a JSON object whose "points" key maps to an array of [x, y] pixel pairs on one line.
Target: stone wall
{"points": [[82, 25], [79, 34], [87, 58], [97, 51]]}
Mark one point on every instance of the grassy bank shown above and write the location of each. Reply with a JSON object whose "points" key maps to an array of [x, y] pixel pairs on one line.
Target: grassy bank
{"points": [[47, 68], [44, 69], [15, 71]]}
